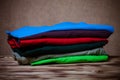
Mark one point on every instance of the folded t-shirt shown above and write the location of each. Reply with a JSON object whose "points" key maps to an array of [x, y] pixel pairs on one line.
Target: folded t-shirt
{"points": [[72, 34], [27, 31], [28, 60], [52, 41], [72, 59], [37, 51]]}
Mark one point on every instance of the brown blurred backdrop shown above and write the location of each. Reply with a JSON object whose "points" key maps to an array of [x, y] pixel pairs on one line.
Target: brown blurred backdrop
{"points": [[17, 13]]}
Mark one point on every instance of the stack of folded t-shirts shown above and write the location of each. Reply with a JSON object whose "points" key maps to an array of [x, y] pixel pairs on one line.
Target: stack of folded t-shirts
{"points": [[62, 43]]}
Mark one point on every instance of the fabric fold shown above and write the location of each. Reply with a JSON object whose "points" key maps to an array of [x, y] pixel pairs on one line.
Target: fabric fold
{"points": [[71, 34], [52, 41], [28, 60], [35, 30], [58, 49], [72, 59]]}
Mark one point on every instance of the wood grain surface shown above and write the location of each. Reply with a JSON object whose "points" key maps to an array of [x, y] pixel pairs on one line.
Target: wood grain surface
{"points": [[11, 70]]}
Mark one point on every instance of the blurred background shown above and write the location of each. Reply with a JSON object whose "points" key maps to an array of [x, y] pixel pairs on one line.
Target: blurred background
{"points": [[17, 13]]}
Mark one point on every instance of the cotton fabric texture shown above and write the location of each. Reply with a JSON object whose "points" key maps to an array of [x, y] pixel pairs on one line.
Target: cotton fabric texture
{"points": [[28, 60], [72, 59], [59, 49], [52, 41], [27, 31], [62, 43]]}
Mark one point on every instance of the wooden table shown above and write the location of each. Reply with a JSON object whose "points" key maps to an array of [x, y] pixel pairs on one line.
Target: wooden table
{"points": [[10, 70]]}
